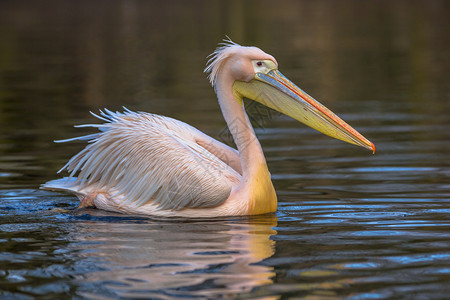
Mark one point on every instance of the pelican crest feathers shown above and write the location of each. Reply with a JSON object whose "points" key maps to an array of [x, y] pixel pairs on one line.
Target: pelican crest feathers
{"points": [[218, 57]]}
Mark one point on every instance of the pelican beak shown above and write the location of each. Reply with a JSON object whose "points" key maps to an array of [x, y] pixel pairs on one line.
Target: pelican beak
{"points": [[274, 90]]}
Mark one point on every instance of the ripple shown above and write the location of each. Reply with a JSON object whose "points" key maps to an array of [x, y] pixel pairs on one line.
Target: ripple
{"points": [[419, 258], [388, 169]]}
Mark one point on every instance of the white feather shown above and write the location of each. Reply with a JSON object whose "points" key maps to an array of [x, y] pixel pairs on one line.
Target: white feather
{"points": [[146, 158]]}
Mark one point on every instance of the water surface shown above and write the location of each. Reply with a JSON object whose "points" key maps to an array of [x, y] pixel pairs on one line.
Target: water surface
{"points": [[350, 225]]}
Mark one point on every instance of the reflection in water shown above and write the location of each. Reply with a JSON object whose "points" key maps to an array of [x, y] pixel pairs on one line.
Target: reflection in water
{"points": [[156, 258]]}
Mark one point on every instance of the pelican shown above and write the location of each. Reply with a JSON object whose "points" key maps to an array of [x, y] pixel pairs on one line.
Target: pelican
{"points": [[142, 163]]}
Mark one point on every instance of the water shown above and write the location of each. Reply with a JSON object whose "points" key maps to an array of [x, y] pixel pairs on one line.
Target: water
{"points": [[350, 225]]}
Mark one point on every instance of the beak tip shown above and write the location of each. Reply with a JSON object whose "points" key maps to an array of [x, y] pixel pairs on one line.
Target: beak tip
{"points": [[373, 147]]}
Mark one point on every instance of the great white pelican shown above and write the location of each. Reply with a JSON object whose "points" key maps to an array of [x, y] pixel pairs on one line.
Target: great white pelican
{"points": [[144, 163]]}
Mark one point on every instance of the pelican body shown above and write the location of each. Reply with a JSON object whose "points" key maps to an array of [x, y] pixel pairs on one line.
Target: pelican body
{"points": [[143, 163]]}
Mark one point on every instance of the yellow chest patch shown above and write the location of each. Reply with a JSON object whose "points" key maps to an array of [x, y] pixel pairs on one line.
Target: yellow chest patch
{"points": [[263, 198]]}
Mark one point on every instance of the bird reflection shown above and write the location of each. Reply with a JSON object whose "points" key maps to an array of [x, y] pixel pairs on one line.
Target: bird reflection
{"points": [[175, 258]]}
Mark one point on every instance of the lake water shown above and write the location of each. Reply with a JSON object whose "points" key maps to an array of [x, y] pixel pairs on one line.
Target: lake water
{"points": [[350, 225]]}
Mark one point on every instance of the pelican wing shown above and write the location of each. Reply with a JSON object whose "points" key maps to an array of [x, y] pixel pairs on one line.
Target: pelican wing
{"points": [[224, 152], [148, 158]]}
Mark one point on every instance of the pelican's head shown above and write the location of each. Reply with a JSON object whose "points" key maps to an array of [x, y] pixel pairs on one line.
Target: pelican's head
{"points": [[254, 75]]}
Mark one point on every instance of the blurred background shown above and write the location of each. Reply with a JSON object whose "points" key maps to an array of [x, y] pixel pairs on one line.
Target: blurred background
{"points": [[60, 59]]}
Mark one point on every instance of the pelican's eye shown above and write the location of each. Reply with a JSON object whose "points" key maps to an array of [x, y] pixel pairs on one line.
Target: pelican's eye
{"points": [[263, 66]]}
